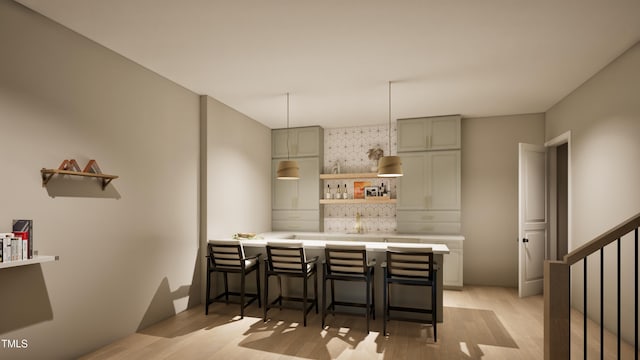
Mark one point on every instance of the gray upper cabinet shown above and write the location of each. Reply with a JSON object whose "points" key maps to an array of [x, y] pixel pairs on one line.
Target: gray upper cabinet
{"points": [[303, 142], [429, 133], [431, 181], [294, 203]]}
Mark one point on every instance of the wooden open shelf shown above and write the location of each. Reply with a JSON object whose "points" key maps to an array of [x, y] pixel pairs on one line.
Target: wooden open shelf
{"points": [[348, 176], [36, 260], [70, 167], [47, 174], [358, 201]]}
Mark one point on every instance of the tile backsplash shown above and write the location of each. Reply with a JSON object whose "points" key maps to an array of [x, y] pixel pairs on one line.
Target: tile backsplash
{"points": [[346, 149]]}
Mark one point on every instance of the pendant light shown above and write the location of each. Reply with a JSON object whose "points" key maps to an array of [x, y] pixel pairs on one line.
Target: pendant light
{"points": [[389, 166], [288, 169]]}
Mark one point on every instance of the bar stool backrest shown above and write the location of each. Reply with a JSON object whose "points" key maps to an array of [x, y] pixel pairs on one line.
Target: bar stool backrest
{"points": [[410, 262], [346, 259], [286, 257], [226, 254]]}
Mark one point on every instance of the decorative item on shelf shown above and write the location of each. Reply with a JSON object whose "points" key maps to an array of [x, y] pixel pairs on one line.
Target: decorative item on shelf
{"points": [[358, 188], [288, 169], [92, 167], [390, 166], [358, 225], [336, 167], [370, 192], [375, 154]]}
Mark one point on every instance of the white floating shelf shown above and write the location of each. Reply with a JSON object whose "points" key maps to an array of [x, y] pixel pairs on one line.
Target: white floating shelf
{"points": [[36, 260]]}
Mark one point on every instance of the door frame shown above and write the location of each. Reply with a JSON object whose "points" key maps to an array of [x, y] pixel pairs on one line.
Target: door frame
{"points": [[551, 145]]}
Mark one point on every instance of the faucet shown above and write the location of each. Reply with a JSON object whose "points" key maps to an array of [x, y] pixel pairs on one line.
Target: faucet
{"points": [[359, 227]]}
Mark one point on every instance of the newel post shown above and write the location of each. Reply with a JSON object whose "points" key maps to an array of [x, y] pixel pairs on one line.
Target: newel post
{"points": [[557, 309]]}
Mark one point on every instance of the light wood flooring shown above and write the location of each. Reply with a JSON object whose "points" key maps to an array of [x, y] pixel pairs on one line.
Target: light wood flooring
{"points": [[479, 323]]}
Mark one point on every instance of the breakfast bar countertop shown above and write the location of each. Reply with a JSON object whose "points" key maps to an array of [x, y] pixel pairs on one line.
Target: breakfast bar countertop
{"points": [[373, 242]]}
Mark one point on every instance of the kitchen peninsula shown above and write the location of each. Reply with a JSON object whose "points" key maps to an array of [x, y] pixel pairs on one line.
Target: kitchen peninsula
{"points": [[376, 243]]}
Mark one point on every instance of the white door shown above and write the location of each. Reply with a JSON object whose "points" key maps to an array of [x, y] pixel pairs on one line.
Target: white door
{"points": [[532, 218]]}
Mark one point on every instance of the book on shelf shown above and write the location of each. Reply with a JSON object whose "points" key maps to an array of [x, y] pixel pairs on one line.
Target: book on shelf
{"points": [[5, 239], [16, 248], [24, 229]]}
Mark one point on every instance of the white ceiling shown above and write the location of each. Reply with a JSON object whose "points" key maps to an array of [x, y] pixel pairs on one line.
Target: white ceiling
{"points": [[469, 57]]}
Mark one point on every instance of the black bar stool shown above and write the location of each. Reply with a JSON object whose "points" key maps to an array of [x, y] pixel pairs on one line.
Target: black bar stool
{"points": [[288, 259], [348, 263], [412, 266], [227, 256]]}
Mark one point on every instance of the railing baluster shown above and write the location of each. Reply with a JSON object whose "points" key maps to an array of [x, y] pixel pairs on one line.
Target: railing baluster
{"points": [[635, 293], [619, 334], [584, 315], [602, 303]]}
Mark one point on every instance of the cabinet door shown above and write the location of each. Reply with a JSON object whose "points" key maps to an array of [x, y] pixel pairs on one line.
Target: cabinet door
{"points": [[431, 181], [309, 183], [432, 133], [444, 133], [412, 134], [412, 186], [297, 194], [444, 180], [452, 269], [279, 142], [307, 142], [304, 141]]}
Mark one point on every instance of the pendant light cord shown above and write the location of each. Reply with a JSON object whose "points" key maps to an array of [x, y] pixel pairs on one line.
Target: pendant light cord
{"points": [[389, 118], [287, 126]]}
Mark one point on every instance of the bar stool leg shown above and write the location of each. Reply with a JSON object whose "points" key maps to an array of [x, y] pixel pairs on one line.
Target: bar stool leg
{"points": [[258, 285], [373, 293], [304, 301], [266, 294], [315, 289], [324, 294], [242, 286], [208, 297], [368, 308]]}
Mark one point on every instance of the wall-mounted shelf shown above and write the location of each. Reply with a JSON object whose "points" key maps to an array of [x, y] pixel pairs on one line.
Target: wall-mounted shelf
{"points": [[348, 176], [70, 167], [36, 260], [358, 201]]}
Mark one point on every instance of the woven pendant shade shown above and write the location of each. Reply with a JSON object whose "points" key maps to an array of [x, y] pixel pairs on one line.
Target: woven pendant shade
{"points": [[390, 166], [288, 170]]}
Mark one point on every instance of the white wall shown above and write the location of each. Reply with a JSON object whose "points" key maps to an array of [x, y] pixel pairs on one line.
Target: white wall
{"points": [[603, 116], [238, 172], [128, 255], [237, 159], [490, 195]]}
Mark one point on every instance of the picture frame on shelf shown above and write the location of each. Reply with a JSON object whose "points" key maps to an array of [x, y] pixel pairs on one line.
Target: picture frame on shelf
{"points": [[370, 192], [358, 189]]}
